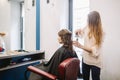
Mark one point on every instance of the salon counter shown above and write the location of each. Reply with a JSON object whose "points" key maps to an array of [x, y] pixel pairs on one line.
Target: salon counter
{"points": [[13, 64]]}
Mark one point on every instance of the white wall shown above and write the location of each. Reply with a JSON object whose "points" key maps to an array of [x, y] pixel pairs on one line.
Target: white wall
{"points": [[110, 14], [30, 26], [53, 16]]}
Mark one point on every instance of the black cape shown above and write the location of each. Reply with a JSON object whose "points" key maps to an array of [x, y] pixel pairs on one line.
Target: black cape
{"points": [[52, 65]]}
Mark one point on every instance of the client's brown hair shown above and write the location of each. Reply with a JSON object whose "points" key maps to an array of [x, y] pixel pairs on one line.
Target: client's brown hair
{"points": [[66, 37]]}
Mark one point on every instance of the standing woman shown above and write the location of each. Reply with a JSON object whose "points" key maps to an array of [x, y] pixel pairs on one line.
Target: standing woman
{"points": [[93, 38]]}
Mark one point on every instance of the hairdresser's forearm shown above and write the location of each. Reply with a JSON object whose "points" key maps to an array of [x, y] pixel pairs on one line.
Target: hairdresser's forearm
{"points": [[86, 49]]}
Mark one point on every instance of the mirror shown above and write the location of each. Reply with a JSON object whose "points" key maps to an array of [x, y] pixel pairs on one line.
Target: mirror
{"points": [[12, 23], [20, 20]]}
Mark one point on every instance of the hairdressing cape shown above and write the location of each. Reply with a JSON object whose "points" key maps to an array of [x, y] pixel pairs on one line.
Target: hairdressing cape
{"points": [[52, 65]]}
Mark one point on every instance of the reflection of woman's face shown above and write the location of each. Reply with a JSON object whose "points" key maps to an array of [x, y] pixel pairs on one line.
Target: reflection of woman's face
{"points": [[59, 40]]}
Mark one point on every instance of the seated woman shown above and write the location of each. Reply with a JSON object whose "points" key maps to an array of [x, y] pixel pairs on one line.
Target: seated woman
{"points": [[64, 52]]}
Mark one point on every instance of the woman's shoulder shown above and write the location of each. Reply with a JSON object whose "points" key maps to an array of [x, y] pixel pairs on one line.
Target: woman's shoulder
{"points": [[61, 49]]}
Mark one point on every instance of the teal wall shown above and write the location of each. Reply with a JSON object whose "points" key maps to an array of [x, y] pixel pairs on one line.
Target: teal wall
{"points": [[37, 24]]}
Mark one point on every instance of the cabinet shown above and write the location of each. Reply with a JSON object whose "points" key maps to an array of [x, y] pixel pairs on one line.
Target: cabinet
{"points": [[13, 65]]}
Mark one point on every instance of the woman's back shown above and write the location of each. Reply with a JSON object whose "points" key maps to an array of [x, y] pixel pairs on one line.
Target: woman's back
{"points": [[61, 54]]}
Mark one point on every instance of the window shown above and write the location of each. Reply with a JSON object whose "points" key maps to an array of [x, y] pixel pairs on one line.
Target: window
{"points": [[78, 10]]}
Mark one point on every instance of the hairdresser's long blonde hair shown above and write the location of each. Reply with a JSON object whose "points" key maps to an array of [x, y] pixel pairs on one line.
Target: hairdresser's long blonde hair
{"points": [[95, 26]]}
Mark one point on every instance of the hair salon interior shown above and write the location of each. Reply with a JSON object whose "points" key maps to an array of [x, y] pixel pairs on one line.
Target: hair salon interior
{"points": [[32, 25]]}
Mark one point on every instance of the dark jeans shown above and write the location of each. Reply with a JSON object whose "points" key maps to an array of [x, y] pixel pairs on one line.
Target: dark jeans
{"points": [[95, 72]]}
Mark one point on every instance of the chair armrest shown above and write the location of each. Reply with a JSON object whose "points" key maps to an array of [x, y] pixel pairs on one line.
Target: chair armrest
{"points": [[41, 72]]}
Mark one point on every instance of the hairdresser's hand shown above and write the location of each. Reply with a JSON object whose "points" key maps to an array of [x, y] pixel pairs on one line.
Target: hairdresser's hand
{"points": [[77, 44], [78, 32]]}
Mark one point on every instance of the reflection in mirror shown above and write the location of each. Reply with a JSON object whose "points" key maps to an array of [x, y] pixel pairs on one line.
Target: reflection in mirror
{"points": [[22, 26], [18, 21], [12, 23], [19, 6]]}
